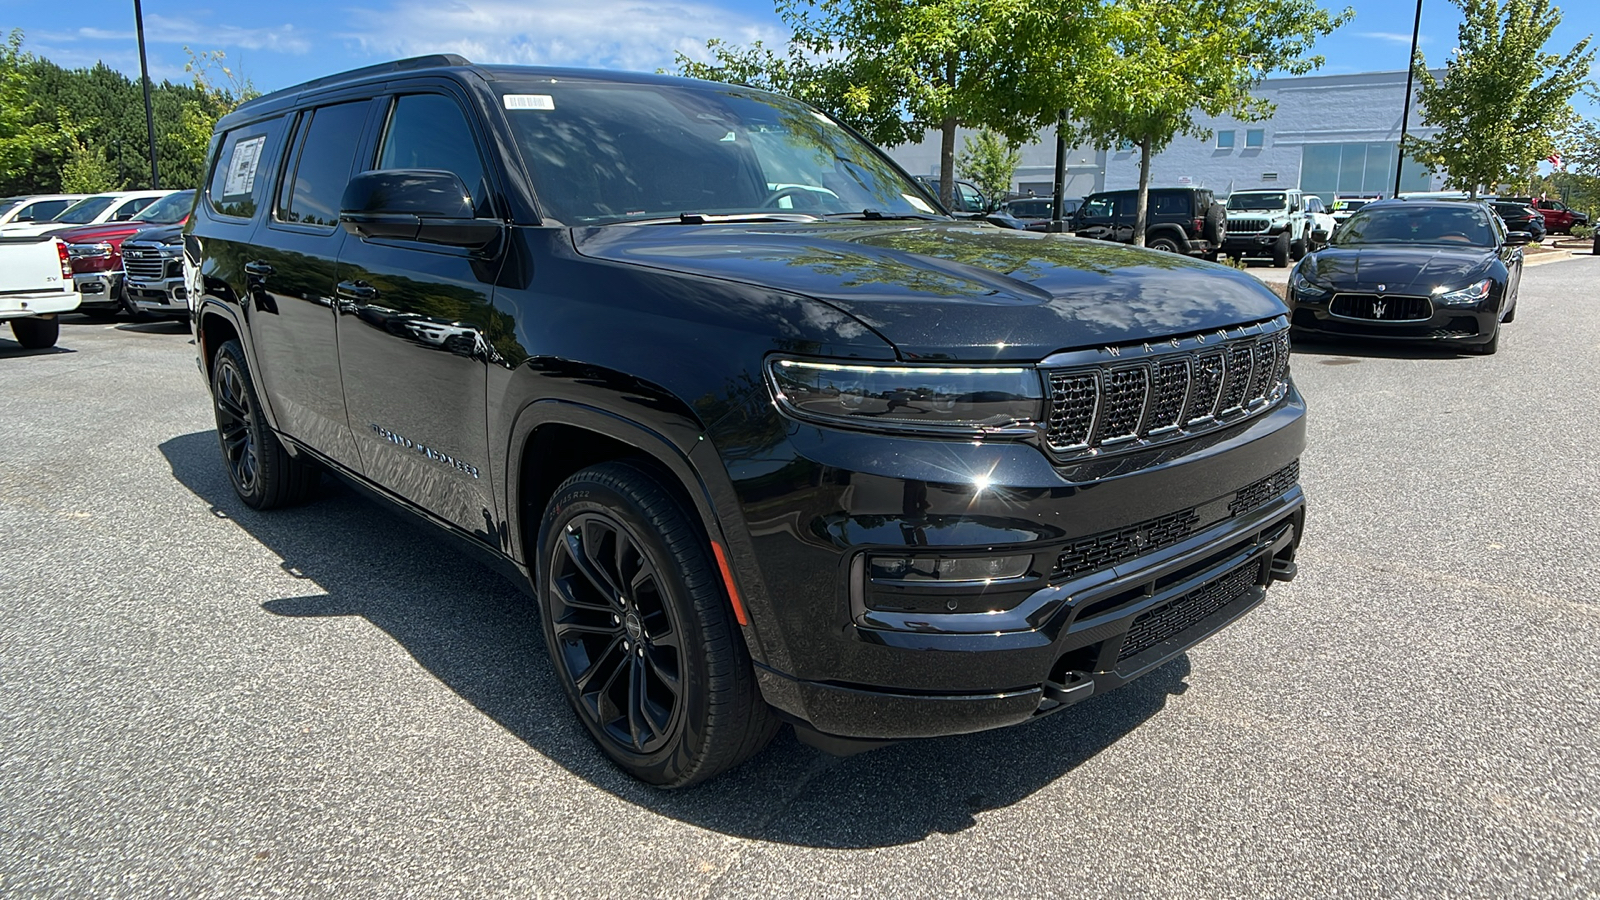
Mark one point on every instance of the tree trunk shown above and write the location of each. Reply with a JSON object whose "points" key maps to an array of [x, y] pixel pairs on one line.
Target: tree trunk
{"points": [[1142, 208], [947, 163]]}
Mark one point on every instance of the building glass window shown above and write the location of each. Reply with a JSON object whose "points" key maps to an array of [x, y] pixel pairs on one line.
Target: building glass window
{"points": [[1255, 137], [1356, 169], [1225, 140]]}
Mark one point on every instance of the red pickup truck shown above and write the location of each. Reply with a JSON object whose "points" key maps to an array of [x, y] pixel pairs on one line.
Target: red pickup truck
{"points": [[1558, 217], [96, 250]]}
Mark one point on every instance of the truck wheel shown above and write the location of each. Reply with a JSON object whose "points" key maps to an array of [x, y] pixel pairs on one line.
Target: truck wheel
{"points": [[263, 473], [1164, 244], [639, 632], [1297, 250], [1280, 251], [35, 333]]}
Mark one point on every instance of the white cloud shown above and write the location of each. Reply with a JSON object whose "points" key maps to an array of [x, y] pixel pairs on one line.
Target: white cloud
{"points": [[207, 35], [1393, 37], [618, 34]]}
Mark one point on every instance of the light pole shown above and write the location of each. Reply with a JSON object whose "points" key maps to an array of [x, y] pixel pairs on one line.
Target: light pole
{"points": [[1405, 117], [149, 113]]}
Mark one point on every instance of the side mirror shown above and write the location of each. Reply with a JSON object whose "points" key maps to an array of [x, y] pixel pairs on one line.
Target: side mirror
{"points": [[1518, 238], [416, 205], [24, 217], [1319, 235]]}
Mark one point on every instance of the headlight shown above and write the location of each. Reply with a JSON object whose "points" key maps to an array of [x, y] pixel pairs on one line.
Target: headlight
{"points": [[971, 399], [1305, 287], [89, 251], [1475, 293]]}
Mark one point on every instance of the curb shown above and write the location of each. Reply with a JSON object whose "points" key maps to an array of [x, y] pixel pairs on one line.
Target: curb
{"points": [[1543, 258]]}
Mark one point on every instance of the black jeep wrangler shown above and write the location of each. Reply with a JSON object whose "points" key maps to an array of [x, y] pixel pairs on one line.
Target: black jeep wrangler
{"points": [[1177, 220], [767, 438]]}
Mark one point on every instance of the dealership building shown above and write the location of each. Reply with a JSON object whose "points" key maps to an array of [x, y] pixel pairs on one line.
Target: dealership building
{"points": [[1330, 134]]}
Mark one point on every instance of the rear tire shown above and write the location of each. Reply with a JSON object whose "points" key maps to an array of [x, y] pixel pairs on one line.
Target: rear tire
{"points": [[1280, 251], [1164, 244], [36, 334], [639, 632], [263, 473]]}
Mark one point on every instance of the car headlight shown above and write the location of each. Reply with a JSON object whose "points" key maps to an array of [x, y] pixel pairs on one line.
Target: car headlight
{"points": [[1305, 287], [89, 251], [1474, 293], [957, 399]]}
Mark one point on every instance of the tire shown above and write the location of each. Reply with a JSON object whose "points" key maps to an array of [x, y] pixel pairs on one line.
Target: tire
{"points": [[1297, 250], [1216, 224], [1511, 314], [1164, 244], [1280, 251], [263, 473], [1489, 349], [671, 624], [1210, 256], [36, 334]]}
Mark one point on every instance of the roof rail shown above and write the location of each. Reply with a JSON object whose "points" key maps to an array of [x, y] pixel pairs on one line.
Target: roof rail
{"points": [[432, 61]]}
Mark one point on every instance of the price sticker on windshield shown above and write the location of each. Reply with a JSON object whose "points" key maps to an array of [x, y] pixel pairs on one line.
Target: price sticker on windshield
{"points": [[530, 101]]}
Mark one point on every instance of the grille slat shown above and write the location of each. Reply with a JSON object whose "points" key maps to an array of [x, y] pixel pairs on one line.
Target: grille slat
{"points": [[1381, 307], [1178, 391], [1153, 626], [144, 268]]}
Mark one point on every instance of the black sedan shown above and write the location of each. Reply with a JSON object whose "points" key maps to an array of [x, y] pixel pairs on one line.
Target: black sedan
{"points": [[1413, 270], [1521, 217]]}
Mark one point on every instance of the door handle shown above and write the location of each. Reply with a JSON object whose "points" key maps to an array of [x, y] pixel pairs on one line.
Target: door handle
{"points": [[257, 269], [359, 291]]}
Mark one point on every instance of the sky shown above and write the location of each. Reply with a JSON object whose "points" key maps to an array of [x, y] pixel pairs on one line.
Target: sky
{"points": [[277, 44]]}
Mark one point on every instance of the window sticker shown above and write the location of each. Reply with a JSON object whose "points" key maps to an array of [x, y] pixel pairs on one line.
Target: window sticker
{"points": [[530, 101], [242, 166], [918, 202]]}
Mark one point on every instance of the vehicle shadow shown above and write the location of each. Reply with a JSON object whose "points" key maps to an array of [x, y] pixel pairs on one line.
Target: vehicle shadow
{"points": [[155, 326], [1332, 348], [10, 348], [480, 636]]}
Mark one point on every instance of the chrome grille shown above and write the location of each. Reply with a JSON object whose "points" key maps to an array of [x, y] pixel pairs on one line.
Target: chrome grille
{"points": [[1181, 387], [1382, 308], [139, 262]]}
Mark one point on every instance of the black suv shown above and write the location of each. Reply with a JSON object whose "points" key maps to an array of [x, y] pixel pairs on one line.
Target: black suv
{"points": [[1177, 220], [767, 439]]}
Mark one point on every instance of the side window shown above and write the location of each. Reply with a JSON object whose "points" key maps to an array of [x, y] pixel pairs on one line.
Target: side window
{"points": [[315, 182], [127, 210], [429, 131], [1168, 204], [970, 201], [233, 177]]}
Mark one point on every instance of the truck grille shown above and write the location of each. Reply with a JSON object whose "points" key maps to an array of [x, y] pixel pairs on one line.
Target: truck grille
{"points": [[1248, 225], [1381, 307], [1154, 626], [1175, 392], [145, 263]]}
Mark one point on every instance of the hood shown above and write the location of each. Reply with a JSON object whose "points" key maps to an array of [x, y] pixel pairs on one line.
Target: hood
{"points": [[1412, 269], [958, 291], [112, 232], [160, 234]]}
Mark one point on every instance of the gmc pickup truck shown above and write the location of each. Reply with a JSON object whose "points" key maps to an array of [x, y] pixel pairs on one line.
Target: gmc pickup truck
{"points": [[35, 286]]}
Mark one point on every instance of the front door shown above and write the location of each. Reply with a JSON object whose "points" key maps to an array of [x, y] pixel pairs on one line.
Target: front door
{"points": [[411, 325]]}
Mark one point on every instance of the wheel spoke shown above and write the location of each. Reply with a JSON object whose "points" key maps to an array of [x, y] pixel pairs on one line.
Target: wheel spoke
{"points": [[566, 628], [666, 675], [610, 655], [574, 544], [566, 590], [636, 695]]}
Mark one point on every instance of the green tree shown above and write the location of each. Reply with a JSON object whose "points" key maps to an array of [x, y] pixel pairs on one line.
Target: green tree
{"points": [[22, 135], [1163, 63], [897, 69], [989, 160], [1504, 99]]}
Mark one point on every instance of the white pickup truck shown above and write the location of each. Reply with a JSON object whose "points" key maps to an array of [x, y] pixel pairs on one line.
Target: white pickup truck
{"points": [[35, 286]]}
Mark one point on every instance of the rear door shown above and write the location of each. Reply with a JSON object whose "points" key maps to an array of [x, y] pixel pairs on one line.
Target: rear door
{"points": [[412, 318], [290, 271]]}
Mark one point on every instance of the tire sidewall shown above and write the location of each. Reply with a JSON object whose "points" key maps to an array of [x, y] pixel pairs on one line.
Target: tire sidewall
{"points": [[678, 756], [230, 354]]}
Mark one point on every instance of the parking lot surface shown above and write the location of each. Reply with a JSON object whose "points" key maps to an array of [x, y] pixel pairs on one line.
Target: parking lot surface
{"points": [[198, 700]]}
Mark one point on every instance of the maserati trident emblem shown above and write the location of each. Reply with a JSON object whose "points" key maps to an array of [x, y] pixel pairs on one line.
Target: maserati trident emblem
{"points": [[1382, 288], [1378, 306]]}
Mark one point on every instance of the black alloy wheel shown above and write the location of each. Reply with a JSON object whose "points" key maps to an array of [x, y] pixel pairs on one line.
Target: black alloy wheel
{"points": [[263, 473], [639, 631]]}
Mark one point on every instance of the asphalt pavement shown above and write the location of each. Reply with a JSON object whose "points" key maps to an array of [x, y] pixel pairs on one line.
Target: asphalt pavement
{"points": [[198, 700]]}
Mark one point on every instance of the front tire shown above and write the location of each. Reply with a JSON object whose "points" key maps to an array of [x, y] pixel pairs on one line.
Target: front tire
{"points": [[1491, 348], [263, 473], [639, 633], [36, 334], [1280, 251]]}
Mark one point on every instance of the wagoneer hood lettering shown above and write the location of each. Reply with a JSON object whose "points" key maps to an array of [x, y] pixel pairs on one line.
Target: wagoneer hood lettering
{"points": [[958, 291]]}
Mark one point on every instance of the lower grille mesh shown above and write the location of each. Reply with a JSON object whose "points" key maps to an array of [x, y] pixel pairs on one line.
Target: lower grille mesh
{"points": [[1156, 625]]}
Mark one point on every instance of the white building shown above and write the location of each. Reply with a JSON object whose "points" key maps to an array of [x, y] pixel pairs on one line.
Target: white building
{"points": [[1330, 134]]}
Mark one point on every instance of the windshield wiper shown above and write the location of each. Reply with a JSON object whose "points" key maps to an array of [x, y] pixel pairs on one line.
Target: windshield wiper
{"points": [[877, 215], [694, 218]]}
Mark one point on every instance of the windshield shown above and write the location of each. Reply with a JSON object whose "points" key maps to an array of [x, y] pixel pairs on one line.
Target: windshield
{"points": [[1460, 226], [1258, 201], [169, 209], [1349, 205], [600, 154], [84, 211]]}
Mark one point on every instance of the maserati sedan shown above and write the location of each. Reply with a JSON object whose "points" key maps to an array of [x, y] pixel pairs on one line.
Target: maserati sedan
{"points": [[1413, 270]]}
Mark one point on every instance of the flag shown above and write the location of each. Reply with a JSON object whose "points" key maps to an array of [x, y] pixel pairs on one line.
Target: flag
{"points": [[1554, 160]]}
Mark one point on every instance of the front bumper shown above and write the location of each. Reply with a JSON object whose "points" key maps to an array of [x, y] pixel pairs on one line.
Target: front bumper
{"points": [[166, 297], [99, 290], [1250, 244], [1134, 559], [1454, 324]]}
